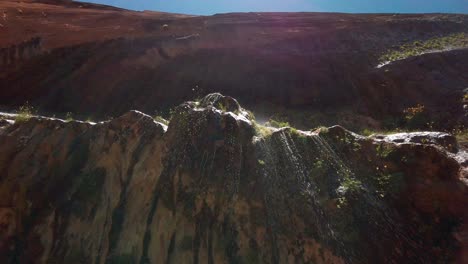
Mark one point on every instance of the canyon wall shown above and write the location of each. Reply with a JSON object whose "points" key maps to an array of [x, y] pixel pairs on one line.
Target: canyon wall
{"points": [[19, 52], [215, 187], [321, 66]]}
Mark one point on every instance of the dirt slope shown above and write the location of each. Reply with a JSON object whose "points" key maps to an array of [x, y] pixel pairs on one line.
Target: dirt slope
{"points": [[102, 61]]}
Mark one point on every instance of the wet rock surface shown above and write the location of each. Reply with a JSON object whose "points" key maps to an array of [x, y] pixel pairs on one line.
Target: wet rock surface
{"points": [[320, 64], [208, 188], [444, 140]]}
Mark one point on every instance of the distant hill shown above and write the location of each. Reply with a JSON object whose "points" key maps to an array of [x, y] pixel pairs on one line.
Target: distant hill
{"points": [[308, 68]]}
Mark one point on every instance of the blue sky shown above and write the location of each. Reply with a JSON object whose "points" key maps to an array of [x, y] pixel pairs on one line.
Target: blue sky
{"points": [[206, 7]]}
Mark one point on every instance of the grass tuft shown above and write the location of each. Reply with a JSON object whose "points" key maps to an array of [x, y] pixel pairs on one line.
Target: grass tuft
{"points": [[161, 119], [25, 113]]}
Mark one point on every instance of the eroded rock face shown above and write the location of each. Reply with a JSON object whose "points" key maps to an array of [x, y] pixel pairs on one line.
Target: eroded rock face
{"points": [[320, 64], [22, 51], [444, 140], [210, 189]]}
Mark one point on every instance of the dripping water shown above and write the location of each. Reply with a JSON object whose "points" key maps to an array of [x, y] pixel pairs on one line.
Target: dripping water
{"points": [[282, 156]]}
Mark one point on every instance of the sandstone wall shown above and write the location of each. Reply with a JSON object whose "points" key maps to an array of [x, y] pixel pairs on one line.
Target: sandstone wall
{"points": [[214, 187]]}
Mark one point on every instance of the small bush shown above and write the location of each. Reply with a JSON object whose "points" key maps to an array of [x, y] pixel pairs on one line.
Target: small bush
{"points": [[262, 131], [319, 168], [221, 107], [461, 134], [352, 184], [321, 130], [25, 112], [416, 117], [69, 117], [367, 132], [278, 124]]}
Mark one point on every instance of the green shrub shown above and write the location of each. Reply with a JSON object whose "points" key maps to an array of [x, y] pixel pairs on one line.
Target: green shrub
{"points": [[461, 134], [384, 150], [321, 130], [367, 132], [262, 131], [351, 184], [351, 187], [278, 124], [390, 183], [416, 117], [25, 113], [319, 168], [221, 107], [69, 117]]}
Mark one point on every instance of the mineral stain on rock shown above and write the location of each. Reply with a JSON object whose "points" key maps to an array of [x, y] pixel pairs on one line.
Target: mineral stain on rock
{"points": [[211, 188]]}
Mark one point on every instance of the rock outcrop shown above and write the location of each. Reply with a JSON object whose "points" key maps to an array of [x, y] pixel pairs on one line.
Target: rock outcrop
{"points": [[215, 187]]}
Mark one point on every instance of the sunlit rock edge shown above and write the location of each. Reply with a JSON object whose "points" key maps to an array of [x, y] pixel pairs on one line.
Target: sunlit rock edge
{"points": [[214, 186]]}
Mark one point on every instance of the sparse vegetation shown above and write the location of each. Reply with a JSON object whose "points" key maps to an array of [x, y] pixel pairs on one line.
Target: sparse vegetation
{"points": [[461, 134], [221, 107], [416, 48], [251, 115], [25, 112], [383, 150], [412, 112], [319, 167], [351, 184], [161, 119], [416, 117], [278, 124], [322, 129], [389, 183], [172, 112], [262, 131], [69, 117], [370, 132], [367, 132], [349, 187]]}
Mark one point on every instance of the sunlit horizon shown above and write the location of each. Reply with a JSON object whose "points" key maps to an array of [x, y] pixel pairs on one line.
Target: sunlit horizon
{"points": [[209, 7]]}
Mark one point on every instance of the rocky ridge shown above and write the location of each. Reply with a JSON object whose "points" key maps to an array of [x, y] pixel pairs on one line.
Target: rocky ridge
{"points": [[213, 186]]}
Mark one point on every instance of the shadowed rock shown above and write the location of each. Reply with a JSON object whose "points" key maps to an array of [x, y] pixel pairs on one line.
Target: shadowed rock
{"points": [[322, 65], [444, 140], [208, 189]]}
